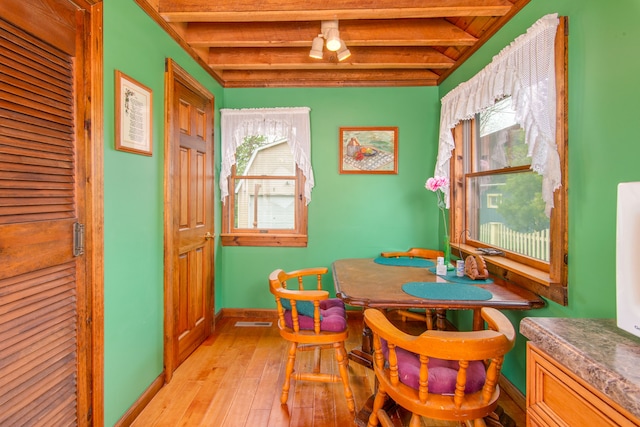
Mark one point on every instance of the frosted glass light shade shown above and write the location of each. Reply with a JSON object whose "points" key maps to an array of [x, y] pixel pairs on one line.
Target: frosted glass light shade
{"points": [[343, 53], [333, 40], [316, 48]]}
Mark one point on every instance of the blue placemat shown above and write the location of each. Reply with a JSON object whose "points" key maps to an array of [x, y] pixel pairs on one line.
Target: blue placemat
{"points": [[404, 261], [446, 291], [451, 277]]}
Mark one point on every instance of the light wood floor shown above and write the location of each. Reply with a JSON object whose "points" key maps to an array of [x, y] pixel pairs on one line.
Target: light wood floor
{"points": [[235, 379]]}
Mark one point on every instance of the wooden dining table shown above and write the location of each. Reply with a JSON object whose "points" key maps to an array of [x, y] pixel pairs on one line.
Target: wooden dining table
{"points": [[362, 282]]}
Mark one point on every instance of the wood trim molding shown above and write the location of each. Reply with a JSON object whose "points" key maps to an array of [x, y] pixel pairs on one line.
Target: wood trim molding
{"points": [[138, 406], [266, 313], [513, 392], [519, 5], [95, 212], [526, 277], [247, 313], [153, 14], [170, 251]]}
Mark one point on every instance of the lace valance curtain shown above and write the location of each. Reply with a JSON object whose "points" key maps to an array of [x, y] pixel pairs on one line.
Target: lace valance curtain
{"points": [[524, 70], [274, 123]]}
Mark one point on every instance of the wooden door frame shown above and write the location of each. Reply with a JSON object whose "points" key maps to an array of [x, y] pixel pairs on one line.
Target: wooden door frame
{"points": [[94, 151], [173, 73]]}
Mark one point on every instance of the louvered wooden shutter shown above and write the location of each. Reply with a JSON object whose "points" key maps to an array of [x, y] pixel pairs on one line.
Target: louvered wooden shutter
{"points": [[38, 308]]}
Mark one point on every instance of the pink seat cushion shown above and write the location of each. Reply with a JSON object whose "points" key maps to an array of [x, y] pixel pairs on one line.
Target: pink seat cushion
{"points": [[442, 373], [332, 312]]}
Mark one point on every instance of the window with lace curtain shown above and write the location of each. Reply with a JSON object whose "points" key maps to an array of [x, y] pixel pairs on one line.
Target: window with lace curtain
{"points": [[266, 176], [503, 143], [504, 205]]}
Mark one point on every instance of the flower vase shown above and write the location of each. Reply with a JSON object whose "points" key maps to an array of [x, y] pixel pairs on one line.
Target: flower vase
{"points": [[447, 254]]}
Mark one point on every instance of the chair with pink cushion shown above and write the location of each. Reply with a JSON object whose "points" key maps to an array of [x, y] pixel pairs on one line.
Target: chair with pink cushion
{"points": [[443, 375], [434, 318], [310, 320]]}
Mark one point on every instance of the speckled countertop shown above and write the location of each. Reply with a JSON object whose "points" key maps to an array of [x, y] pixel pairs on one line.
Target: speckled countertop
{"points": [[596, 350]]}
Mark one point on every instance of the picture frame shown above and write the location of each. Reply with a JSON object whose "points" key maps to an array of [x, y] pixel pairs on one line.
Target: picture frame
{"points": [[368, 150], [134, 108]]}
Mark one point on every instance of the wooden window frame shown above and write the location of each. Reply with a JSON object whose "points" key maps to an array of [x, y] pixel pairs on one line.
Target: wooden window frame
{"points": [[547, 280], [296, 237]]}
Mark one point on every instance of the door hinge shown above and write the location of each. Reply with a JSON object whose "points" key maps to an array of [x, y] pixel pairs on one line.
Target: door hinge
{"points": [[78, 239]]}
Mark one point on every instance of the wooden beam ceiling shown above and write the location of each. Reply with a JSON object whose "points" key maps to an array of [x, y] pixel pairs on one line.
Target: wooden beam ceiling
{"points": [[249, 43]]}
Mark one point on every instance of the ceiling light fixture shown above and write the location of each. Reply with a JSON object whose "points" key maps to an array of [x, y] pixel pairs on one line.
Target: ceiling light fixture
{"points": [[343, 52], [316, 47], [329, 31], [333, 39]]}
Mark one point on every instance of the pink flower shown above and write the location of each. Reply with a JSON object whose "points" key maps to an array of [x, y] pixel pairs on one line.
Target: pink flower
{"points": [[436, 183]]}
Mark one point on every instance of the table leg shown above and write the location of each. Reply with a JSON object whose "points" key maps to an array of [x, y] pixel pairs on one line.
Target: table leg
{"points": [[441, 319], [478, 321], [363, 355], [362, 417]]}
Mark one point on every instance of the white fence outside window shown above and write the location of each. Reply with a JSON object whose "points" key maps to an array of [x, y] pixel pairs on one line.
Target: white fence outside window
{"points": [[535, 245]]}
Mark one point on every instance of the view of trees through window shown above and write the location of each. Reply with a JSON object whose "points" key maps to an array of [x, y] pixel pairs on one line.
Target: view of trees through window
{"points": [[506, 209], [246, 150]]}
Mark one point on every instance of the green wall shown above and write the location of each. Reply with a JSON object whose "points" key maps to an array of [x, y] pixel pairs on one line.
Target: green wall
{"points": [[603, 151], [350, 216], [358, 215], [133, 210]]}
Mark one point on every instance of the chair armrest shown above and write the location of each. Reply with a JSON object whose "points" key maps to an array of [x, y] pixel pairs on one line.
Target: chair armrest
{"points": [[308, 271], [304, 295], [414, 253]]}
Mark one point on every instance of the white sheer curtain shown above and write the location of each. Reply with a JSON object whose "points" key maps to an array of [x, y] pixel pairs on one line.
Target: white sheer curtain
{"points": [[289, 123], [524, 70]]}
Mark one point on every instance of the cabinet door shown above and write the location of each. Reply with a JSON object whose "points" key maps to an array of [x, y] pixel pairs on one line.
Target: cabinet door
{"points": [[556, 397]]}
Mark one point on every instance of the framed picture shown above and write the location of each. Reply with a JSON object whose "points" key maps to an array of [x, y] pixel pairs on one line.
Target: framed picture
{"points": [[369, 150], [134, 103]]}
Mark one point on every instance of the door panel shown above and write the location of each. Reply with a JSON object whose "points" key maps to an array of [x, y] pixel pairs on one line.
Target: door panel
{"points": [[52, 241], [193, 286], [42, 283]]}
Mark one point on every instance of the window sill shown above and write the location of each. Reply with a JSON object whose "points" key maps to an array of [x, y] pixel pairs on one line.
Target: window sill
{"points": [[525, 276], [264, 239]]}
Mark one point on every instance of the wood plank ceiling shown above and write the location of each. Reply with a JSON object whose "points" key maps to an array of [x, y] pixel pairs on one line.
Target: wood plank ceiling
{"points": [[266, 43]]}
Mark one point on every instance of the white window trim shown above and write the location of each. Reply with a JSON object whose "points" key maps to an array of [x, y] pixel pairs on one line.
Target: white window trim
{"points": [[524, 70], [293, 124]]}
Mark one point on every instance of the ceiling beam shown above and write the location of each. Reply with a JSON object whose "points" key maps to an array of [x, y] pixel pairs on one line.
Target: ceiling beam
{"points": [[316, 10], [328, 78], [248, 58], [265, 43], [403, 32]]}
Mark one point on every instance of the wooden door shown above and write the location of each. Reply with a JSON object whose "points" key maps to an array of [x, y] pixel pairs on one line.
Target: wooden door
{"points": [[190, 202], [45, 343]]}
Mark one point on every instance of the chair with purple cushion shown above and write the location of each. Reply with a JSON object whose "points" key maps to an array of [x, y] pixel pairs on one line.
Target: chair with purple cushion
{"points": [[444, 375], [310, 320], [426, 315]]}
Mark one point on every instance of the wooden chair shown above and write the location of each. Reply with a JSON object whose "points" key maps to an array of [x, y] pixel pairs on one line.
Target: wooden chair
{"points": [[444, 375], [427, 315], [310, 320]]}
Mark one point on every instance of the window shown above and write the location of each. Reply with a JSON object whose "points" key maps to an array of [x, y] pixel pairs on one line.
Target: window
{"points": [[504, 192], [513, 217], [494, 200], [265, 190]]}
